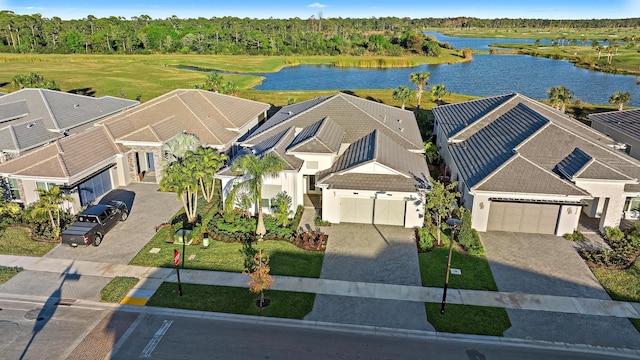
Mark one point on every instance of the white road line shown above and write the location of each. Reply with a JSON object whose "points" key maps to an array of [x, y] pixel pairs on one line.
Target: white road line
{"points": [[146, 353]]}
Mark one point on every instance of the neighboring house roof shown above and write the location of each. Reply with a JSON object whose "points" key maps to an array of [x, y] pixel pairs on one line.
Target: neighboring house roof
{"points": [[626, 121], [67, 159], [32, 117], [406, 171], [521, 145], [357, 117], [216, 119]]}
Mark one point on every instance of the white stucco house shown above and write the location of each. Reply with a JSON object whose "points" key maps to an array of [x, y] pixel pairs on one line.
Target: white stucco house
{"points": [[523, 166], [363, 159], [127, 147]]}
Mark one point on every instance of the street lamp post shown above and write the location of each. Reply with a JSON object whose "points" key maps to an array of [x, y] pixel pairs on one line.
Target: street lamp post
{"points": [[453, 224]]}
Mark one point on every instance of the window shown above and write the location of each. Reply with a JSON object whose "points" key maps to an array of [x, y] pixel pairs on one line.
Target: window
{"points": [[14, 191], [45, 186], [632, 204]]}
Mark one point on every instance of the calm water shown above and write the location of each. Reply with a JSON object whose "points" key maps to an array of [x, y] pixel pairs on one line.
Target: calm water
{"points": [[481, 43]]}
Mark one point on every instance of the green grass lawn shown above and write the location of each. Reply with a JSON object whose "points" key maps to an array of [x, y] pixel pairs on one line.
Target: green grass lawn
{"points": [[15, 240], [234, 300], [117, 289], [476, 274], [6, 273], [285, 259], [467, 319], [622, 285]]}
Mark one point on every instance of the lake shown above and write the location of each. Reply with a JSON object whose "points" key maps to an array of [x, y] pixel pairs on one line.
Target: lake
{"points": [[485, 75]]}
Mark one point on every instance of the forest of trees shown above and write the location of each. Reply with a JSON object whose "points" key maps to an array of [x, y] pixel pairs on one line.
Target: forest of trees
{"points": [[230, 35]]}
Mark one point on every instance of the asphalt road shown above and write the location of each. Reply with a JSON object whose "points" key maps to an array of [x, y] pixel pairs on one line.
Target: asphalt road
{"points": [[96, 331]]}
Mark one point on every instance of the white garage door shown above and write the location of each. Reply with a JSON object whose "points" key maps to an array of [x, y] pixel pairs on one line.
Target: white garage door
{"points": [[523, 217], [356, 210], [389, 212]]}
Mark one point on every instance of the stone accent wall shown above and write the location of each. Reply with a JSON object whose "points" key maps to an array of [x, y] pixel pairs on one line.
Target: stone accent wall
{"points": [[142, 150]]}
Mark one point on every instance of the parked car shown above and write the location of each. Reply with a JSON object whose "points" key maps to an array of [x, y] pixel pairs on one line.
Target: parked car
{"points": [[92, 224]]}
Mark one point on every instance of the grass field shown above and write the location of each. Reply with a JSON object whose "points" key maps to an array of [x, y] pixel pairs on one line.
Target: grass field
{"points": [[622, 285], [15, 240], [150, 76], [466, 319], [233, 300], [6, 273], [285, 259], [117, 289]]}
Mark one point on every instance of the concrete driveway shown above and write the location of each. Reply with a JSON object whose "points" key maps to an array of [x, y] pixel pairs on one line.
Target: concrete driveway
{"points": [[148, 207], [376, 254], [550, 265]]}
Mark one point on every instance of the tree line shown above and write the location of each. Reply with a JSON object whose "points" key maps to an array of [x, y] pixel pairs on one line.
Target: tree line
{"points": [[391, 36]]}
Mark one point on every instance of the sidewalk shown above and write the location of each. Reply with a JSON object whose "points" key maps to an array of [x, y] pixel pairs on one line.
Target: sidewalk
{"points": [[151, 278]]}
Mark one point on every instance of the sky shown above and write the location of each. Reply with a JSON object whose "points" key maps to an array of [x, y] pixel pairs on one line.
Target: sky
{"points": [[282, 9]]}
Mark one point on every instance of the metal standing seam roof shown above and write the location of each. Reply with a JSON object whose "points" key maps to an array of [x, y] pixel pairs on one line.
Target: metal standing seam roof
{"points": [[573, 163], [626, 121], [356, 116], [324, 136], [488, 148], [413, 172]]}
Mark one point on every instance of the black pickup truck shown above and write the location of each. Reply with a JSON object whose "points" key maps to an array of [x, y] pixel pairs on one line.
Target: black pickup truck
{"points": [[92, 224]]}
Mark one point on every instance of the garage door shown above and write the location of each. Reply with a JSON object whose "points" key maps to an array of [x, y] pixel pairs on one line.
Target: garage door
{"points": [[94, 187], [355, 210], [389, 212], [523, 217]]}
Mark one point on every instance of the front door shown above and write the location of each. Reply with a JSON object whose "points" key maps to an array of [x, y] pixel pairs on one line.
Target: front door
{"points": [[150, 164]]}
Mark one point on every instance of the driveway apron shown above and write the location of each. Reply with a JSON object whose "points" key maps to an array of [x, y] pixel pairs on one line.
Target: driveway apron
{"points": [[550, 265], [149, 208], [374, 254]]}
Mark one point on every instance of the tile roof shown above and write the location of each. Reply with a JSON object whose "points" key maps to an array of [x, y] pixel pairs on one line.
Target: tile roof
{"points": [[626, 121], [214, 118], [66, 158], [56, 112], [411, 170], [526, 141], [357, 117]]}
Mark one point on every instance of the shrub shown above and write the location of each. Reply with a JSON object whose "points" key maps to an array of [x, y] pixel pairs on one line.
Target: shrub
{"points": [[613, 234], [468, 237], [319, 222], [311, 240], [280, 204], [575, 236], [425, 239]]}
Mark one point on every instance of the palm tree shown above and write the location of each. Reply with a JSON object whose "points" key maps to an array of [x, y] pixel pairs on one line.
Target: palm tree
{"points": [[254, 169], [48, 204], [559, 97], [229, 88], [402, 93], [421, 81], [439, 91], [430, 151], [19, 81], [620, 98], [179, 177], [213, 81], [205, 162]]}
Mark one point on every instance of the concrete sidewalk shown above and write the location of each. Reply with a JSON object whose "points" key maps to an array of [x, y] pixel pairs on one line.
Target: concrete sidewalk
{"points": [[151, 278]]}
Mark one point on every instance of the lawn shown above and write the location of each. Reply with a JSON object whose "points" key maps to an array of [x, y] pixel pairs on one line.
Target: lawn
{"points": [[233, 300], [117, 289], [476, 274], [6, 273], [285, 259], [467, 319], [622, 285], [15, 240]]}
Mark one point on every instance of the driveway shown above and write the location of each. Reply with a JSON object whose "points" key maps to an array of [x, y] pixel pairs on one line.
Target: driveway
{"points": [[550, 265], [148, 207], [375, 254]]}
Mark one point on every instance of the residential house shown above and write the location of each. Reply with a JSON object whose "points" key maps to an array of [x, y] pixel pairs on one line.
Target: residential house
{"points": [[621, 126], [523, 166], [127, 146], [30, 118], [362, 159]]}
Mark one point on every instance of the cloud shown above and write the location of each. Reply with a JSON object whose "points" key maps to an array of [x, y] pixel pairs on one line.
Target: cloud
{"points": [[317, 5]]}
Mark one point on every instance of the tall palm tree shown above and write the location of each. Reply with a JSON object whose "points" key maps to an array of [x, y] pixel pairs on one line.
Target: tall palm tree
{"points": [[179, 177], [439, 91], [559, 97], [402, 93], [48, 204], [421, 81], [620, 98], [205, 162], [255, 170]]}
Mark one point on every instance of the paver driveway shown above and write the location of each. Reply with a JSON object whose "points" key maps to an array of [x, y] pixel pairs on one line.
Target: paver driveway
{"points": [[377, 254], [149, 207], [550, 265]]}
